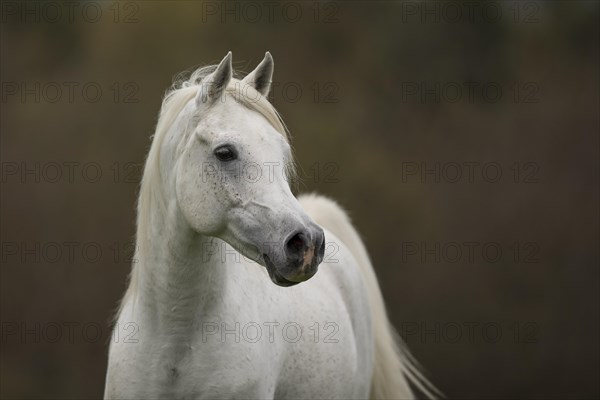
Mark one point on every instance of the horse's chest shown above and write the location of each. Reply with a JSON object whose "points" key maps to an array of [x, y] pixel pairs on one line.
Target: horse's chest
{"points": [[283, 351], [172, 372], [241, 365]]}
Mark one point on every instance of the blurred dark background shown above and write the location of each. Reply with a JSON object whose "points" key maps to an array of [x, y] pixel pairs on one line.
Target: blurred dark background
{"points": [[463, 140]]}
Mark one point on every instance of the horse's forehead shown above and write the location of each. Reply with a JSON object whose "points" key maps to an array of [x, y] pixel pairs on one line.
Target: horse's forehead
{"points": [[227, 116], [227, 119]]}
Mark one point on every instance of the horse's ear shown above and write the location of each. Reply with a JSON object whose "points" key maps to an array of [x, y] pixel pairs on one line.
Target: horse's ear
{"points": [[213, 85], [260, 79]]}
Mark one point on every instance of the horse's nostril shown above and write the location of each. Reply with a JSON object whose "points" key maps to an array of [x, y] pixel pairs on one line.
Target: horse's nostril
{"points": [[296, 245]]}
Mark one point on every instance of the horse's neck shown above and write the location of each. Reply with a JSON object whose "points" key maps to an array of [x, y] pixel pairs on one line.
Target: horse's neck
{"points": [[175, 280]]}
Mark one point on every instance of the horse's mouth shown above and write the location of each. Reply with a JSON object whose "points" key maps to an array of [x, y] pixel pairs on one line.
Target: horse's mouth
{"points": [[275, 276]]}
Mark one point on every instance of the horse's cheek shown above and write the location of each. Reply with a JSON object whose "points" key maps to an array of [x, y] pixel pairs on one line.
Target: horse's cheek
{"points": [[199, 206]]}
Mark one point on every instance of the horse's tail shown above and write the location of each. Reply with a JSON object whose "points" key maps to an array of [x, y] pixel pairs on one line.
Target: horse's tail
{"points": [[394, 369]]}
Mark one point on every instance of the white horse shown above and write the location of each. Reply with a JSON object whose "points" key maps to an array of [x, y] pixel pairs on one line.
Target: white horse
{"points": [[215, 212]]}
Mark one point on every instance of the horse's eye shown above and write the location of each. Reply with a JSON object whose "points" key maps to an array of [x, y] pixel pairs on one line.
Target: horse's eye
{"points": [[225, 153]]}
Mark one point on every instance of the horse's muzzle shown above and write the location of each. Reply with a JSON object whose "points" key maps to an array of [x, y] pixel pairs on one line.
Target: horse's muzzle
{"points": [[304, 251]]}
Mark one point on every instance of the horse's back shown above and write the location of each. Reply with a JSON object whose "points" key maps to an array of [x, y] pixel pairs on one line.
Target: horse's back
{"points": [[392, 367]]}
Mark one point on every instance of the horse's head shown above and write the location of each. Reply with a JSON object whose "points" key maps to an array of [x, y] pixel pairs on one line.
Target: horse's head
{"points": [[231, 178]]}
